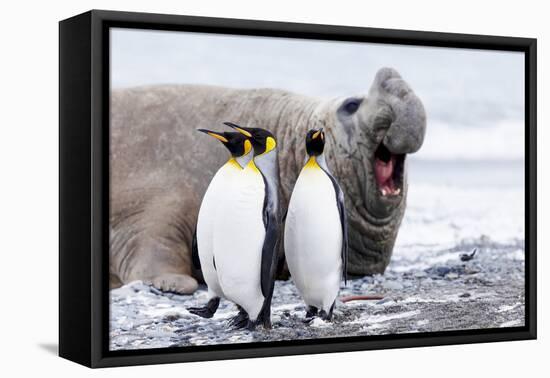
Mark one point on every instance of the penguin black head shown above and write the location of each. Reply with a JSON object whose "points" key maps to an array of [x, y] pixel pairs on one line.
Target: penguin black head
{"points": [[315, 142], [237, 143], [262, 140]]}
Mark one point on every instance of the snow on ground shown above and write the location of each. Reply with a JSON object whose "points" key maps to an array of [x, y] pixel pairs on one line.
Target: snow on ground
{"points": [[451, 210], [482, 293]]}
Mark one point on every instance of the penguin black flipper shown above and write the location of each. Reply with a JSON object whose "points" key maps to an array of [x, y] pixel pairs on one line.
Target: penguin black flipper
{"points": [[195, 252], [343, 221], [269, 254]]}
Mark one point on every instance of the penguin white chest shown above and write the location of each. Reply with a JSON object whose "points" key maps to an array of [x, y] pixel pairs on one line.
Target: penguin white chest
{"points": [[215, 195], [239, 234], [313, 238]]}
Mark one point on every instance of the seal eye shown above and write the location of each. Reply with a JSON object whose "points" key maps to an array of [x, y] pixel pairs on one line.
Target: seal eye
{"points": [[350, 106]]}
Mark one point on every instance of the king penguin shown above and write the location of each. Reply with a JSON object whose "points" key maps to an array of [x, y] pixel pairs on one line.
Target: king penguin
{"points": [[246, 232], [315, 236], [202, 251]]}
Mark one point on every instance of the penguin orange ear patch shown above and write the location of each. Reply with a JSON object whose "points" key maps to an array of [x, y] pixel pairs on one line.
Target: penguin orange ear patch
{"points": [[247, 147], [270, 144]]}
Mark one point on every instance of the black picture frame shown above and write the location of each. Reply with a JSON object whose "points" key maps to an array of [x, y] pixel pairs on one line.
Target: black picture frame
{"points": [[83, 180]]}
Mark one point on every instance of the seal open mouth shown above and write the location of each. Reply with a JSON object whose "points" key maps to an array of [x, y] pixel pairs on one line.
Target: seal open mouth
{"points": [[388, 171]]}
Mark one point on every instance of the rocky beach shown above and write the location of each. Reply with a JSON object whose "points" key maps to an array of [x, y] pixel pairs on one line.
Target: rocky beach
{"points": [[433, 282]]}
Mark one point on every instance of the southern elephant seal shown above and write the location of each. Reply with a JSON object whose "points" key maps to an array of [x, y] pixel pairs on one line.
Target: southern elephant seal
{"points": [[160, 166]]}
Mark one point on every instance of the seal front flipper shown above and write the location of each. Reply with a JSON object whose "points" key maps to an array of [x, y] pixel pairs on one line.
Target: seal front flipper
{"points": [[207, 311], [174, 283]]}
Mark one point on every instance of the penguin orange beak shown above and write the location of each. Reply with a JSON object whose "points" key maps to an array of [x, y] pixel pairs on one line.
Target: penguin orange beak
{"points": [[242, 130], [316, 134], [214, 134]]}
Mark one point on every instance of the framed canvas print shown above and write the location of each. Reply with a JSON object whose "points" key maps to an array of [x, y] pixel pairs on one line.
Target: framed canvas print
{"points": [[235, 188]]}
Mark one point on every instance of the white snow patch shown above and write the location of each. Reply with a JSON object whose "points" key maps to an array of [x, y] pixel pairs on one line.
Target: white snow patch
{"points": [[508, 307], [427, 262], [319, 323], [156, 312], [511, 323], [369, 319], [452, 202], [518, 254], [285, 307], [484, 142]]}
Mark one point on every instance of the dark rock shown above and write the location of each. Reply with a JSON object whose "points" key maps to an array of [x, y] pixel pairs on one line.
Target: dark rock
{"points": [[171, 317], [439, 271], [154, 290], [468, 256]]}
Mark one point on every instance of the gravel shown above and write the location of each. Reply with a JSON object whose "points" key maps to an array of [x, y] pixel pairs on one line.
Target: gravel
{"points": [[432, 290]]}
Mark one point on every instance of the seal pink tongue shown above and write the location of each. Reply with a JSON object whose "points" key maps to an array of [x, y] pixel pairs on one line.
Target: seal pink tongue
{"points": [[383, 172]]}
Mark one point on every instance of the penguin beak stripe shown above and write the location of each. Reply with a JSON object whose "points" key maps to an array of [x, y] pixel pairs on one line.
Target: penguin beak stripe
{"points": [[242, 131], [218, 137], [238, 128]]}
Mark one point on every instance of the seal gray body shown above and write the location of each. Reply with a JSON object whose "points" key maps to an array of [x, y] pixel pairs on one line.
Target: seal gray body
{"points": [[160, 169]]}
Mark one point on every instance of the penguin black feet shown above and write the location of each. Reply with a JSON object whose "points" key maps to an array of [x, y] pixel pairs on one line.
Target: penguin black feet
{"points": [[311, 313], [327, 316], [243, 321], [264, 318], [240, 321], [207, 311], [252, 324]]}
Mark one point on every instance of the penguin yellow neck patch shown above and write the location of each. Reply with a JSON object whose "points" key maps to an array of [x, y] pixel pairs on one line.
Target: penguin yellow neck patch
{"points": [[233, 163], [312, 163], [251, 166]]}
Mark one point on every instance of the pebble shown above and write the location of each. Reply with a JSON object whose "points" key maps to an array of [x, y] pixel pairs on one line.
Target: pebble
{"points": [[385, 300], [420, 274], [170, 317], [442, 270], [138, 322], [392, 285]]}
